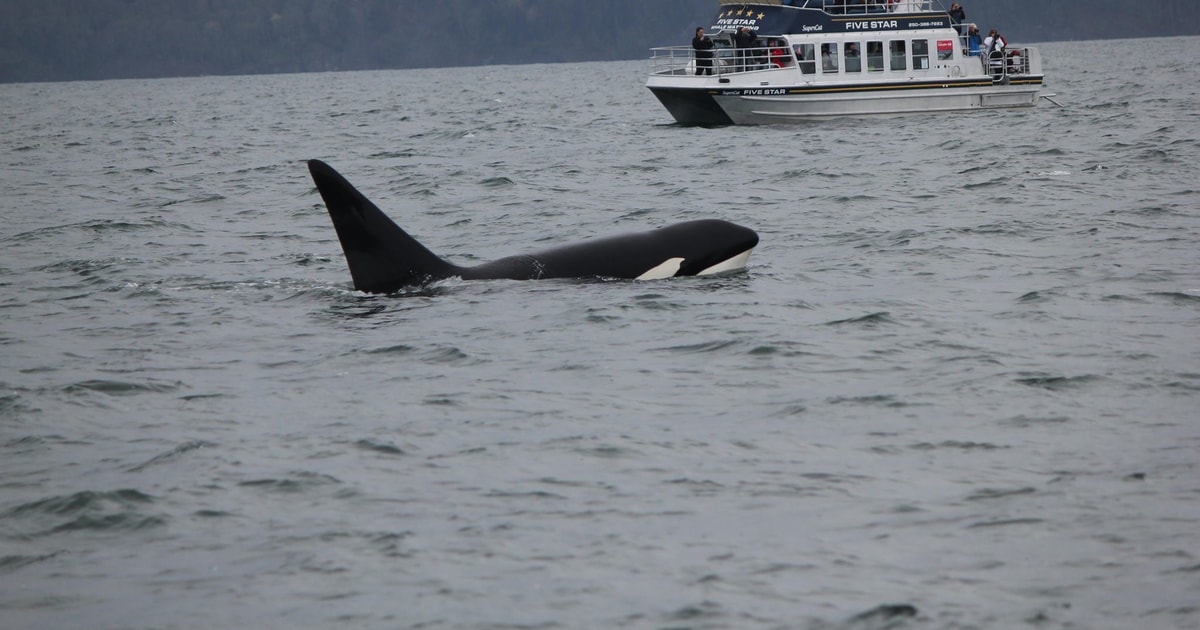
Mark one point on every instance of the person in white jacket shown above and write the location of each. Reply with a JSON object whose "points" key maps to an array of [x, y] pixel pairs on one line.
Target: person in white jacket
{"points": [[994, 41]]}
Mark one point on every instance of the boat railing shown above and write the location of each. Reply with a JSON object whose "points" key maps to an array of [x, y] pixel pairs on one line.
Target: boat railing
{"points": [[1001, 64], [682, 60], [853, 7]]}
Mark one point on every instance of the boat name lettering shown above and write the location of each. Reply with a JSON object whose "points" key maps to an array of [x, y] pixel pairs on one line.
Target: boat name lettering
{"points": [[871, 25], [731, 22], [808, 28], [755, 92]]}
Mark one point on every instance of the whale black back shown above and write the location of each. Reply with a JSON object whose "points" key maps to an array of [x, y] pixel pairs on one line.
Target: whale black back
{"points": [[383, 257]]}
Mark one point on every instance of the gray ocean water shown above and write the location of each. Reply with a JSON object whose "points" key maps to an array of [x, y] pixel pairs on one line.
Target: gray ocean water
{"points": [[957, 387]]}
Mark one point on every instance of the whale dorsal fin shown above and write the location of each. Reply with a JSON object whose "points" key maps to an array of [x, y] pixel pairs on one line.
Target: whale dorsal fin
{"points": [[381, 255]]}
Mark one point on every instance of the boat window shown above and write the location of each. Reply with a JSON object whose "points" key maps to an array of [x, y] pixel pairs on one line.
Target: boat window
{"points": [[853, 62], [829, 58], [920, 54], [875, 56], [806, 58], [899, 59]]}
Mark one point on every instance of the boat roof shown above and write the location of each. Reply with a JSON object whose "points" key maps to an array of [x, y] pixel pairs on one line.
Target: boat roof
{"points": [[780, 17]]}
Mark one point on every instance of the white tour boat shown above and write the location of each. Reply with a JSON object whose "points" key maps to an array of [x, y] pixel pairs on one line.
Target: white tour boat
{"points": [[813, 59]]}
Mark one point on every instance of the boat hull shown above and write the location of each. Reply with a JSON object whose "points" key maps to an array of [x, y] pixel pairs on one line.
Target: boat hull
{"points": [[690, 106], [714, 105]]}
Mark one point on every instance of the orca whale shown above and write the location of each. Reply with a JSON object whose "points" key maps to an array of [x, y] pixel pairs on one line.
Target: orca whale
{"points": [[383, 258]]}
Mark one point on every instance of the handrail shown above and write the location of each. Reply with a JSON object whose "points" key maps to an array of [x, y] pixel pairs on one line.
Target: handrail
{"points": [[854, 7], [1005, 62], [843, 7]]}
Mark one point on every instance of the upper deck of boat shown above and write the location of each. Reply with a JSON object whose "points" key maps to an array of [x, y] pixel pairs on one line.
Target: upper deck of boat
{"points": [[844, 7]]}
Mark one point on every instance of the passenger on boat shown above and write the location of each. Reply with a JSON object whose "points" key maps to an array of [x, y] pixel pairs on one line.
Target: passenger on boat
{"points": [[779, 54], [958, 16], [743, 40], [974, 41], [829, 58], [1015, 64], [993, 47], [704, 52], [993, 42]]}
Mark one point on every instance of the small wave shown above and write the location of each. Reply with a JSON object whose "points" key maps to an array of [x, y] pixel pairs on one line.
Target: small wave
{"points": [[496, 182], [171, 454], [447, 354], [955, 444], [86, 267], [26, 444], [1023, 421], [99, 227], [386, 448], [121, 388], [704, 485], [868, 320], [305, 260], [856, 199], [13, 405], [793, 409], [880, 400], [703, 347], [534, 494], [1181, 298], [388, 155], [191, 397], [117, 510], [608, 451], [396, 349], [1005, 522], [882, 617], [212, 513], [995, 493], [697, 614], [295, 483], [1005, 229], [1056, 383], [8, 564], [995, 182], [1122, 298]]}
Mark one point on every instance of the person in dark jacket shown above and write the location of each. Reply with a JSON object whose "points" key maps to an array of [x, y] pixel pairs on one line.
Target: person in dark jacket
{"points": [[958, 17], [745, 38], [704, 52]]}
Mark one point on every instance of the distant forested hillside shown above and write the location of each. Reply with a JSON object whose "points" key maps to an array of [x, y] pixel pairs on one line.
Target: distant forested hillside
{"points": [[58, 40]]}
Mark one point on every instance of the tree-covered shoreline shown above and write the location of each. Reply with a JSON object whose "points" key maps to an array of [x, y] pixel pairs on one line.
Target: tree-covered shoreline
{"points": [[64, 40]]}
